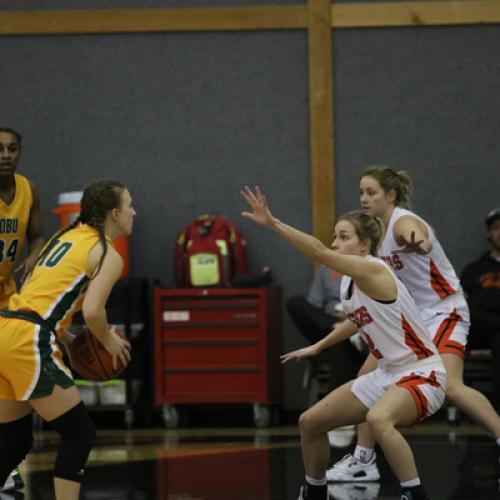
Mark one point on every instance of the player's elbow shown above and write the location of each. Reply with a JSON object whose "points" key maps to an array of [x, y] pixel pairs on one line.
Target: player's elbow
{"points": [[91, 313]]}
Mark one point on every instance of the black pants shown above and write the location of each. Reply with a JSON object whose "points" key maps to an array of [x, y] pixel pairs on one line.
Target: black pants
{"points": [[495, 352], [481, 336], [314, 324]]}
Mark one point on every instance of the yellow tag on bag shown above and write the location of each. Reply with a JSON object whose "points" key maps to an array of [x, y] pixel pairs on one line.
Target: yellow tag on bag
{"points": [[204, 269]]}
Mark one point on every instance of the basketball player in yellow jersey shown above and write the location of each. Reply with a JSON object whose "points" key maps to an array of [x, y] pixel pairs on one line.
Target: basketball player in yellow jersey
{"points": [[76, 269], [20, 219], [20, 216]]}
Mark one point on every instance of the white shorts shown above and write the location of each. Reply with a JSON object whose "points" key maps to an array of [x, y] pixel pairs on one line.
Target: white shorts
{"points": [[448, 324], [425, 380]]}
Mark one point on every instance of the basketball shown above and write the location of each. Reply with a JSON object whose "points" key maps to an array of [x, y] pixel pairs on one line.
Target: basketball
{"points": [[90, 359]]}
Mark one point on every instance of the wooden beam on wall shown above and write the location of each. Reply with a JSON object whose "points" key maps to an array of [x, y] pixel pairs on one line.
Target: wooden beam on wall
{"points": [[430, 13], [321, 119], [343, 15], [58, 22]]}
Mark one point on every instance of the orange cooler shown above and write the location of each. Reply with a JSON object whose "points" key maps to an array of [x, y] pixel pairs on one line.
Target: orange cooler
{"points": [[68, 210]]}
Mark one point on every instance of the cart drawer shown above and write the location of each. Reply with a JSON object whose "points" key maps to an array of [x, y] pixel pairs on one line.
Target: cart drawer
{"points": [[204, 313], [215, 353], [208, 382]]}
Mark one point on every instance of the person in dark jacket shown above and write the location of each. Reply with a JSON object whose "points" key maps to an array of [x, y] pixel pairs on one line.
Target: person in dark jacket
{"points": [[481, 283]]}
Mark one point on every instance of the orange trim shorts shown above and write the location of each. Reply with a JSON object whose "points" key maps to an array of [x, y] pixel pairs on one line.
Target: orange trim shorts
{"points": [[425, 381], [31, 363], [448, 325]]}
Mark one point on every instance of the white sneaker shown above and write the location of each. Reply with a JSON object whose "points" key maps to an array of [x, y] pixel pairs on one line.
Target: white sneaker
{"points": [[354, 491], [13, 482], [350, 469]]}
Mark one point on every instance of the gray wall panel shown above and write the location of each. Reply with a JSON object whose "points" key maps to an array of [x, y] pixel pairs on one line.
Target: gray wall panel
{"points": [[184, 120], [424, 100]]}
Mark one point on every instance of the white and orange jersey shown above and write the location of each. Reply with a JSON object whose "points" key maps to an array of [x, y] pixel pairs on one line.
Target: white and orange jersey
{"points": [[58, 282], [429, 278], [395, 331]]}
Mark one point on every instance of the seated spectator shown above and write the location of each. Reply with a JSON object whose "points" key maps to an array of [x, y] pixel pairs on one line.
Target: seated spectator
{"points": [[316, 316], [481, 283]]}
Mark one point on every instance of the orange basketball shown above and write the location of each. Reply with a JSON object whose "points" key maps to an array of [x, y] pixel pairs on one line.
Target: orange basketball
{"points": [[91, 360]]}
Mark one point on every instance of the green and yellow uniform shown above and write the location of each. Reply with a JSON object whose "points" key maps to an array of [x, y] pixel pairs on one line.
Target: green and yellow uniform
{"points": [[30, 360]]}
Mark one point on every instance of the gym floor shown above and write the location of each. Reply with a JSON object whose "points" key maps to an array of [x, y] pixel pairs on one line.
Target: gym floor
{"points": [[195, 463]]}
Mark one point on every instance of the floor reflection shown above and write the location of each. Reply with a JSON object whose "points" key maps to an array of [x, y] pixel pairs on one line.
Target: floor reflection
{"points": [[248, 464]]}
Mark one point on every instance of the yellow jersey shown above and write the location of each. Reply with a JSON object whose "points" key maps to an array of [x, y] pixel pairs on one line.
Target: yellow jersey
{"points": [[58, 282], [14, 218]]}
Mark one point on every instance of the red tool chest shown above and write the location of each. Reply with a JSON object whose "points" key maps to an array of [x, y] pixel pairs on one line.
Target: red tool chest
{"points": [[218, 345]]}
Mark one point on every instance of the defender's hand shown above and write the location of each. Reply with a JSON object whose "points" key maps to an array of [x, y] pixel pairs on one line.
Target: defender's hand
{"points": [[305, 352], [258, 203]]}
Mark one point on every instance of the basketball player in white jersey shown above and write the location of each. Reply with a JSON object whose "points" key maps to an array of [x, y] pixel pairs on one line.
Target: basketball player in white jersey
{"points": [[410, 380], [413, 251]]}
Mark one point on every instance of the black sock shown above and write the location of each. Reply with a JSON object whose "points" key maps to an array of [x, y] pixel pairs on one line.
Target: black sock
{"points": [[311, 492], [414, 493]]}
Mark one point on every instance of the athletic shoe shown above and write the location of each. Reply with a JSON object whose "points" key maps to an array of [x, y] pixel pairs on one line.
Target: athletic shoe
{"points": [[408, 495], [354, 491], [13, 482], [350, 469]]}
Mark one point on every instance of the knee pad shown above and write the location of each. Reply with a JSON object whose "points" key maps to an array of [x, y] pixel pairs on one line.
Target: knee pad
{"points": [[16, 439], [77, 437]]}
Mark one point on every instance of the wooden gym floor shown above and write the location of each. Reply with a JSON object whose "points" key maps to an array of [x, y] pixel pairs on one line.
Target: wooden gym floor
{"points": [[456, 462]]}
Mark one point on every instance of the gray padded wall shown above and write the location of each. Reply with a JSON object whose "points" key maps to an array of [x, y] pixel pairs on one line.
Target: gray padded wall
{"points": [[424, 100], [184, 120]]}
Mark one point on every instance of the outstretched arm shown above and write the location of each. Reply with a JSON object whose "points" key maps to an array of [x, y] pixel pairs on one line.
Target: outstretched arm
{"points": [[303, 242], [341, 332], [364, 272]]}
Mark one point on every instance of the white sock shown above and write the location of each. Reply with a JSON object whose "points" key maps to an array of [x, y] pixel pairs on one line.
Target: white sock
{"points": [[363, 454], [411, 483], [315, 482], [498, 441]]}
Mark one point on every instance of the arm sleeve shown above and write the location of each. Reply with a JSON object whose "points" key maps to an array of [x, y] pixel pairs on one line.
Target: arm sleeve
{"points": [[465, 280]]}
